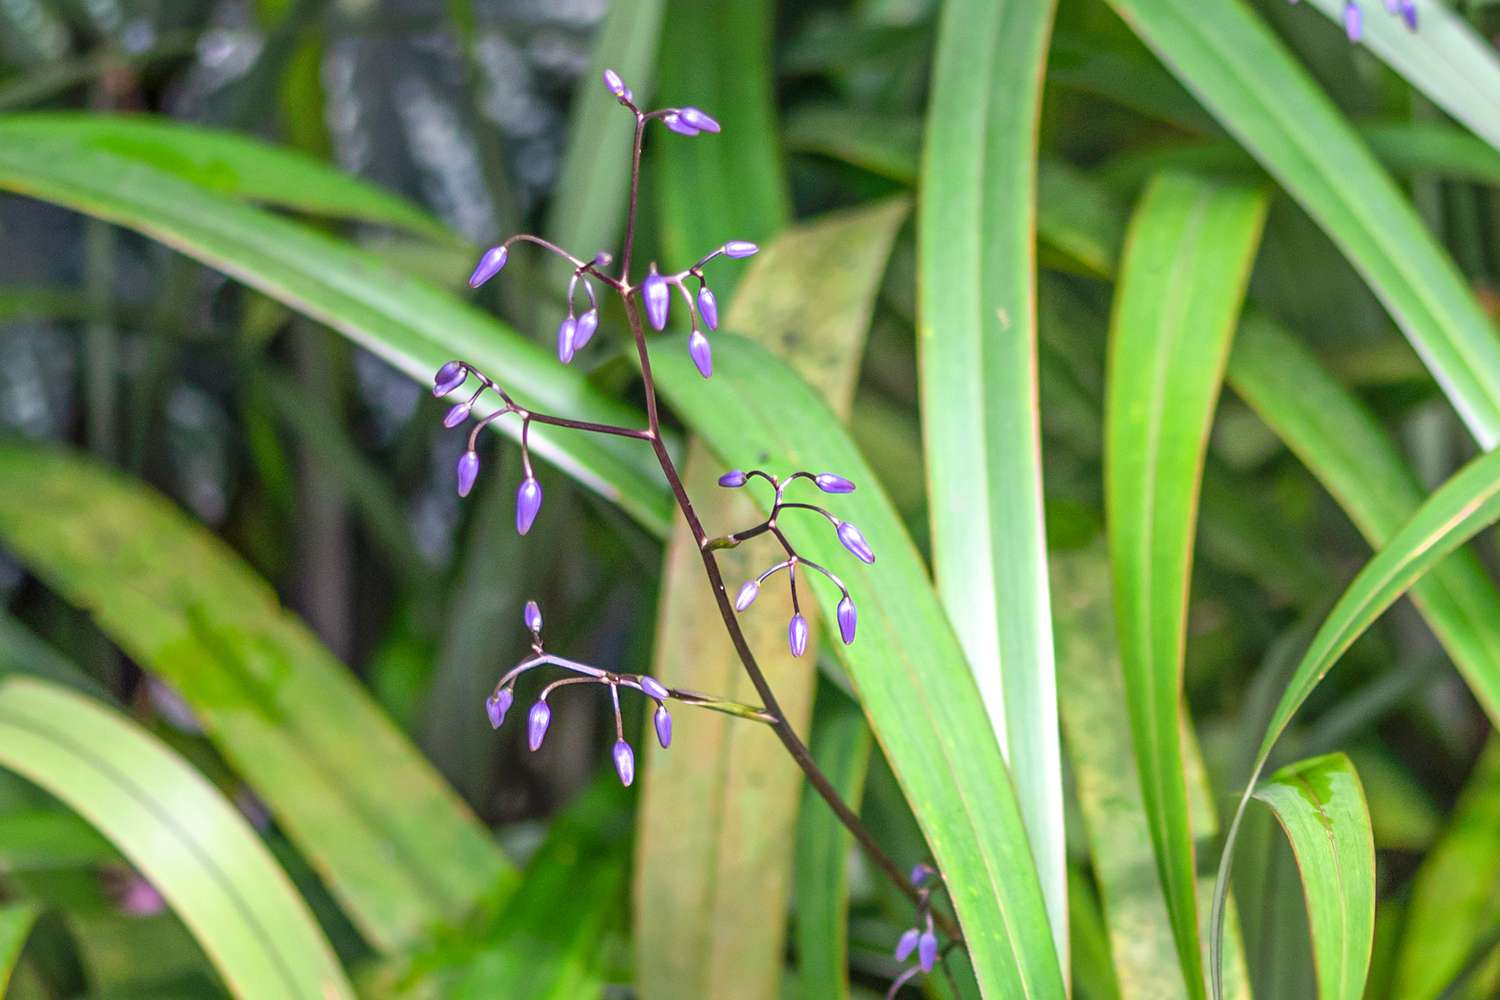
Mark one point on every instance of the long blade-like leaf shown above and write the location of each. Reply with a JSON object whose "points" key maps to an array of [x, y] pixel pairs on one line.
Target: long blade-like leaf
{"points": [[397, 848], [906, 666], [411, 324], [196, 849], [980, 419], [1186, 264], [15, 925], [1247, 79], [718, 824], [1321, 808]]}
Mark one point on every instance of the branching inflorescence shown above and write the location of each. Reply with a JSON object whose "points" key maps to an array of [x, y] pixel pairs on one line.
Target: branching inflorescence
{"points": [[653, 297]]}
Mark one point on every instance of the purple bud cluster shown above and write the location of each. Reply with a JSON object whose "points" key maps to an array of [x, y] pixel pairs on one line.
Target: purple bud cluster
{"points": [[452, 376], [539, 716], [848, 535], [921, 939], [1354, 18], [656, 297]]}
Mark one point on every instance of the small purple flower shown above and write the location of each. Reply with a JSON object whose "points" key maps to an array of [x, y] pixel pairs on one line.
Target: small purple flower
{"points": [[747, 595], [658, 298], [468, 471], [497, 705], [614, 84], [830, 483], [702, 354], [733, 479], [921, 872], [696, 119], [587, 324], [663, 726], [740, 248], [708, 307], [1409, 13], [566, 330], [1353, 20], [489, 265], [654, 688], [448, 378], [847, 620], [457, 415], [907, 944], [528, 502], [532, 616], [537, 721], [796, 635], [676, 124], [855, 542], [624, 762], [927, 949]]}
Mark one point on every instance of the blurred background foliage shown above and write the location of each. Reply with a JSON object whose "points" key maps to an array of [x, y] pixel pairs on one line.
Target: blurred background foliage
{"points": [[341, 740]]}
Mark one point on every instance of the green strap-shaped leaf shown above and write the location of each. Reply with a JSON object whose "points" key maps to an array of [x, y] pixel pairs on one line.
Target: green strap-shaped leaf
{"points": [[1468, 502], [196, 849], [231, 164], [1228, 57], [15, 924], [976, 334], [1187, 260], [413, 325], [905, 666], [395, 845], [1445, 58], [718, 824], [1321, 808]]}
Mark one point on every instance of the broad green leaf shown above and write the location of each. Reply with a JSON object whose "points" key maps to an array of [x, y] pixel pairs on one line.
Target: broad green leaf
{"points": [[1186, 263], [884, 144], [906, 666], [1445, 58], [1247, 79], [588, 207], [711, 884], [1096, 728], [395, 846], [230, 164], [408, 322], [1455, 898], [841, 744], [1464, 505], [976, 334], [1321, 808], [175, 827], [15, 923]]}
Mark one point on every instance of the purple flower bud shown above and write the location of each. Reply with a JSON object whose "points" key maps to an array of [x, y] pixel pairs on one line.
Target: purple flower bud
{"points": [[497, 705], [698, 120], [747, 595], [653, 688], [676, 124], [855, 542], [629, 94], [457, 415], [537, 721], [1353, 21], [658, 298], [468, 471], [532, 616], [613, 83], [847, 620], [708, 307], [565, 332], [663, 722], [624, 762], [528, 502], [1409, 13], [927, 951], [702, 353], [920, 873], [796, 635], [907, 945], [830, 483], [448, 378], [740, 248], [587, 324], [733, 479], [489, 265]]}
